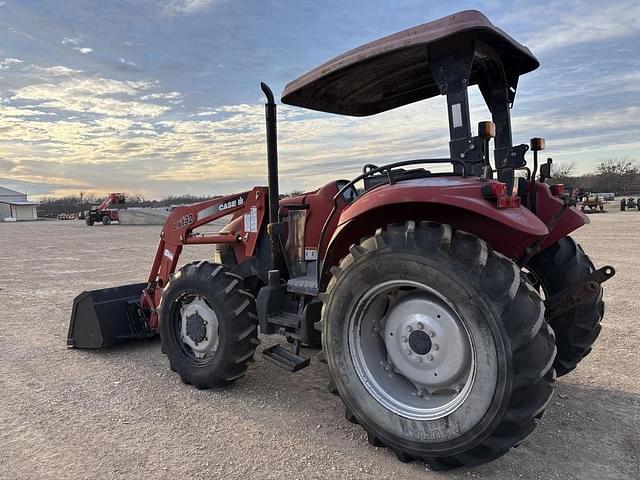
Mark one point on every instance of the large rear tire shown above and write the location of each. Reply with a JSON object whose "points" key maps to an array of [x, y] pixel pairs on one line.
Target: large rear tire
{"points": [[208, 326], [560, 266], [475, 384]]}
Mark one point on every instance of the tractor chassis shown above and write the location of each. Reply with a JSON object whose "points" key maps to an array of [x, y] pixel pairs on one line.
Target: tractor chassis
{"points": [[382, 277]]}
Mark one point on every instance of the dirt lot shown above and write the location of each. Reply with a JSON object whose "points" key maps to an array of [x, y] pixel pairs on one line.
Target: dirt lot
{"points": [[122, 413]]}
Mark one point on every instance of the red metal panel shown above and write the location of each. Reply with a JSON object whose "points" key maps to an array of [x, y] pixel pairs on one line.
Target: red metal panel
{"points": [[548, 205], [320, 203], [394, 70], [463, 193], [456, 201]]}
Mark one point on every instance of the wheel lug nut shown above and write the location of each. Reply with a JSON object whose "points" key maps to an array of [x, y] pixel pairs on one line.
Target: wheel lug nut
{"points": [[431, 333], [408, 352], [430, 357], [435, 347], [409, 328], [420, 393], [420, 325], [419, 359], [404, 339]]}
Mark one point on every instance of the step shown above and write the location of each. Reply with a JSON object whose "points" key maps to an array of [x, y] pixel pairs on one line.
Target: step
{"points": [[286, 359], [307, 285], [285, 319]]}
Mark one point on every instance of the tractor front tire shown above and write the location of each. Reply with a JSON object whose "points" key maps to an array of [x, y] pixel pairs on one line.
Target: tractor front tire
{"points": [[437, 345], [208, 325], [560, 266], [88, 220], [623, 205], [106, 220]]}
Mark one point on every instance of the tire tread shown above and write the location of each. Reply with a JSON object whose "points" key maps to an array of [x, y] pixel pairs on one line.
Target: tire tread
{"points": [[522, 312]]}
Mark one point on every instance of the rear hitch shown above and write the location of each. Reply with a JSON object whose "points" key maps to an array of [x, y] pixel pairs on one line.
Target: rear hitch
{"points": [[579, 294]]}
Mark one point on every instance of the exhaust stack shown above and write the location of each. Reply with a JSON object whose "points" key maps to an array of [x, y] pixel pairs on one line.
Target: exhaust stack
{"points": [[272, 152], [272, 171]]}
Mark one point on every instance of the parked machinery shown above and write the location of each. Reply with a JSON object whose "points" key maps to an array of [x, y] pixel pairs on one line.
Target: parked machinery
{"points": [[102, 213], [423, 288], [629, 204], [591, 203]]}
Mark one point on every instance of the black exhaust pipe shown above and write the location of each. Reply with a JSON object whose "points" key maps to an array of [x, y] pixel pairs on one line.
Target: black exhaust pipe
{"points": [[272, 152], [272, 171]]}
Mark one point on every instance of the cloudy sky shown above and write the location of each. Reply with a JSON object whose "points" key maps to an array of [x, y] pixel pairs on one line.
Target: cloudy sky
{"points": [[162, 97]]}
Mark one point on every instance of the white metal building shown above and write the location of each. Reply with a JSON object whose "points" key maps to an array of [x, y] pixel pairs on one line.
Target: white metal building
{"points": [[14, 206]]}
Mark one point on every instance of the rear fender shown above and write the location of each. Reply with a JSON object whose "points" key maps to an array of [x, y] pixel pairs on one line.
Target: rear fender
{"points": [[454, 201], [547, 206]]}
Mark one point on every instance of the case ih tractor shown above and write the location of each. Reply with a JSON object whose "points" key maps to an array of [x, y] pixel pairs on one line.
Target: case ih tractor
{"points": [[445, 303]]}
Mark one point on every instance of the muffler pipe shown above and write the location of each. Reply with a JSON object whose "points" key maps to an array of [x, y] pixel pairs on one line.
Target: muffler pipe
{"points": [[272, 152], [272, 166]]}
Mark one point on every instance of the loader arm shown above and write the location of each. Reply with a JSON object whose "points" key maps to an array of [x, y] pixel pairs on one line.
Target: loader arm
{"points": [[100, 318], [110, 199], [179, 230]]}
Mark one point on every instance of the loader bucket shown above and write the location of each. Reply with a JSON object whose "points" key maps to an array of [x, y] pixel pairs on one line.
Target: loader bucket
{"points": [[104, 317]]}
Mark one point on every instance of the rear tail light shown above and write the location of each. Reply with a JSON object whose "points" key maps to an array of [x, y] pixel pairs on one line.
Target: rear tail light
{"points": [[498, 191], [508, 202], [494, 189]]}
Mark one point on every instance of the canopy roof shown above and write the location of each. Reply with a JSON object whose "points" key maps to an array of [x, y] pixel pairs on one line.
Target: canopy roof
{"points": [[395, 70]]}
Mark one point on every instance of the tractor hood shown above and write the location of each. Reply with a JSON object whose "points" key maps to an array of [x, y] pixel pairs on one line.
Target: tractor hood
{"points": [[395, 70]]}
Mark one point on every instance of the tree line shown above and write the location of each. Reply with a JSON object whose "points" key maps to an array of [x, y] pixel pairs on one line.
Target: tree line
{"points": [[618, 175], [51, 207]]}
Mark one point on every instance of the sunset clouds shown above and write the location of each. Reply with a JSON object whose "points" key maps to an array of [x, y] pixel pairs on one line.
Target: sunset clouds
{"points": [[162, 97]]}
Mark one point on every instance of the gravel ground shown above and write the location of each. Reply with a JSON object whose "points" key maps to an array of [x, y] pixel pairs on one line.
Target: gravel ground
{"points": [[121, 413]]}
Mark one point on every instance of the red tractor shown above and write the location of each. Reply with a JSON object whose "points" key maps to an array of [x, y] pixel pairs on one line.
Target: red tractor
{"points": [[445, 303], [102, 213]]}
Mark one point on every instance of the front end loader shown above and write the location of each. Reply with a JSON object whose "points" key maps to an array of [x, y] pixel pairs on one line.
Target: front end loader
{"points": [[445, 303]]}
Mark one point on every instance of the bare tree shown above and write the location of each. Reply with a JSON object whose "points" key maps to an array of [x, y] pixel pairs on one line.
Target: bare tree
{"points": [[618, 166], [564, 170], [619, 175]]}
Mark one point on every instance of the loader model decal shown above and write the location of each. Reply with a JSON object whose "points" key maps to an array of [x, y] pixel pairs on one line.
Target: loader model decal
{"points": [[184, 221]]}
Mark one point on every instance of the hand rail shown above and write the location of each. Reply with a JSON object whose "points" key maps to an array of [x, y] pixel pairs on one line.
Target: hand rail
{"points": [[372, 171]]}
